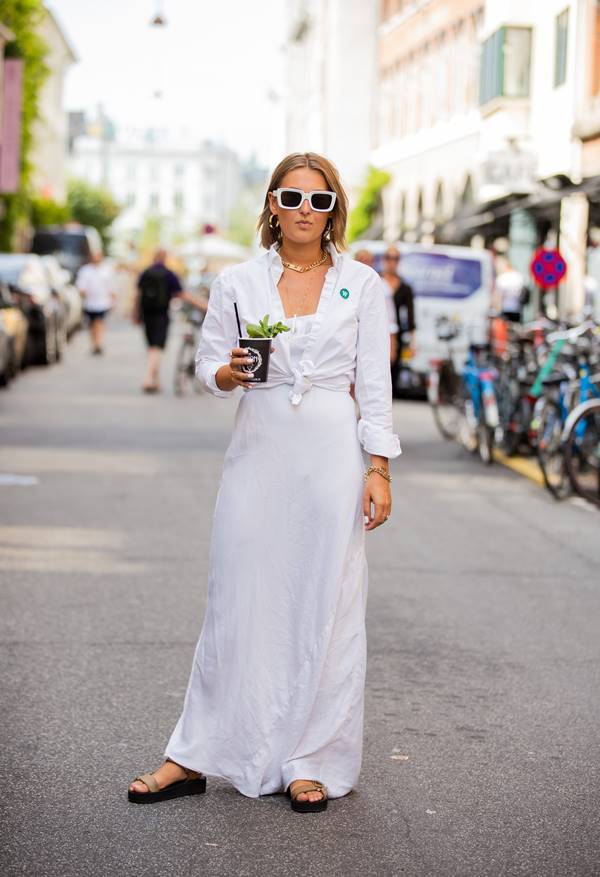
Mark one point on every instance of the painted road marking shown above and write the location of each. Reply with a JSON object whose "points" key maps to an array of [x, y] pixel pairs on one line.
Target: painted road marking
{"points": [[529, 468]]}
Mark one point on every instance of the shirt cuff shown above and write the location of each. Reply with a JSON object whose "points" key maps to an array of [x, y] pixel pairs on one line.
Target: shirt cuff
{"points": [[207, 371], [378, 441]]}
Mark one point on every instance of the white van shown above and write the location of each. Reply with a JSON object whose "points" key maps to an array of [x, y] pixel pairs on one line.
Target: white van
{"points": [[449, 283]]}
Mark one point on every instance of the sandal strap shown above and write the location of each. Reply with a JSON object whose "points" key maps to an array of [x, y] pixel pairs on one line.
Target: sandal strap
{"points": [[190, 774], [302, 787], [149, 780]]}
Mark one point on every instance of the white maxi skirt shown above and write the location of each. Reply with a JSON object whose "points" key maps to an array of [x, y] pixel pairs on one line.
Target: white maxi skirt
{"points": [[277, 683]]}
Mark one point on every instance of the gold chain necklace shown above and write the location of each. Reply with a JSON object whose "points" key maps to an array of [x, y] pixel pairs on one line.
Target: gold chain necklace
{"points": [[302, 268]]}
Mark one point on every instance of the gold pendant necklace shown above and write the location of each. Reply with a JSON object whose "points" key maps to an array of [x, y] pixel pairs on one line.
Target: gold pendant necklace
{"points": [[302, 268]]}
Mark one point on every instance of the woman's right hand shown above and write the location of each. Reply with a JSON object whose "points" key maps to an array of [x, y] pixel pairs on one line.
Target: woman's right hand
{"points": [[230, 376]]}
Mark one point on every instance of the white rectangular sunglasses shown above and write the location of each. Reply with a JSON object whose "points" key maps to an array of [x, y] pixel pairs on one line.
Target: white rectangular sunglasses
{"points": [[320, 200]]}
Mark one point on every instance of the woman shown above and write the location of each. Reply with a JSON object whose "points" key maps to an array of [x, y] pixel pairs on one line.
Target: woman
{"points": [[399, 297], [275, 698]]}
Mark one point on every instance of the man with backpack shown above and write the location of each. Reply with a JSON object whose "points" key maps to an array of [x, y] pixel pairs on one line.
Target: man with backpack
{"points": [[157, 285]]}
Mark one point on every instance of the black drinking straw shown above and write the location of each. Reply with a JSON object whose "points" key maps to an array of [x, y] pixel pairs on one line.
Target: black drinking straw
{"points": [[237, 317]]}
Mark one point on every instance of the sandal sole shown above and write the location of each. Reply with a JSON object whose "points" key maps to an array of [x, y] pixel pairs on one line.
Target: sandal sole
{"points": [[309, 806], [177, 790]]}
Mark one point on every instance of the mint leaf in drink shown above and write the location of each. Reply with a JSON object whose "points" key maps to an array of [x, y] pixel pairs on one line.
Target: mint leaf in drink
{"points": [[262, 329], [253, 331]]}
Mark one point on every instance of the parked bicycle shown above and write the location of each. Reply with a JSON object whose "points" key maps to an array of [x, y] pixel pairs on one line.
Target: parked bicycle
{"points": [[581, 444], [570, 384], [464, 402], [185, 379]]}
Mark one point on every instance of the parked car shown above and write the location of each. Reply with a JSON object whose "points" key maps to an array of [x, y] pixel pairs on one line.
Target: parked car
{"points": [[72, 244], [60, 283], [15, 325], [27, 278], [5, 356]]}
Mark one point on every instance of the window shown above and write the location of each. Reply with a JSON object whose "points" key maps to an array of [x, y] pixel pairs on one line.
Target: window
{"points": [[178, 170], [153, 201], [505, 64], [561, 34], [130, 200], [178, 201]]}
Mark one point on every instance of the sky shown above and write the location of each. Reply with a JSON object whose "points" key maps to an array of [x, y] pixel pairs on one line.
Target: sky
{"points": [[218, 68]]}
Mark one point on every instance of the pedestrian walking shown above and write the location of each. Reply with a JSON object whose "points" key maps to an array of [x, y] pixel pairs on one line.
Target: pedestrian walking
{"points": [[95, 283], [402, 298], [275, 697], [157, 287], [510, 292]]}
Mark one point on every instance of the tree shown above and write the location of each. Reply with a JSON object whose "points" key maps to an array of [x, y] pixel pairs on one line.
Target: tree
{"points": [[45, 211], [368, 203], [23, 18], [92, 205]]}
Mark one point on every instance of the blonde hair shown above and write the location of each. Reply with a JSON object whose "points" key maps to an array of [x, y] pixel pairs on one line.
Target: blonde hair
{"points": [[336, 227]]}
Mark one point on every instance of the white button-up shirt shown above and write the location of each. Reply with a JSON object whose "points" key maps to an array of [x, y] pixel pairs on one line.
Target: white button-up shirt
{"points": [[348, 343]]}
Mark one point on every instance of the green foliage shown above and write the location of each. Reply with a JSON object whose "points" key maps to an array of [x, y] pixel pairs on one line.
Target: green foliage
{"points": [[23, 18], [152, 233], [45, 211], [242, 225], [92, 205], [363, 214], [263, 330]]}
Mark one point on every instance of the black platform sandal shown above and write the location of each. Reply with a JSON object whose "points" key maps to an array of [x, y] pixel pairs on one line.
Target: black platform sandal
{"points": [[301, 787], [193, 784]]}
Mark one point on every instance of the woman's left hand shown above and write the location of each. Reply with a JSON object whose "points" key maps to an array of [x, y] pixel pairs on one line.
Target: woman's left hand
{"points": [[377, 501]]}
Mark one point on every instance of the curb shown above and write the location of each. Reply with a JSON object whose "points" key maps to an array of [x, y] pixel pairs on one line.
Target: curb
{"points": [[521, 465]]}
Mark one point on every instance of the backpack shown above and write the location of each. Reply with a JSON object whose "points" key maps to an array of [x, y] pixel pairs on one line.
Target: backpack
{"points": [[154, 290]]}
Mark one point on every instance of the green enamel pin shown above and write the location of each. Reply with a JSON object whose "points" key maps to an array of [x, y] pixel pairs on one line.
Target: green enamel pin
{"points": [[345, 293]]}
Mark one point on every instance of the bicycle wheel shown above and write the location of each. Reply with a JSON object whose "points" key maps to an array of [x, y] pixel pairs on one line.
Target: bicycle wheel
{"points": [[582, 452], [550, 450], [183, 368], [485, 440], [442, 399]]}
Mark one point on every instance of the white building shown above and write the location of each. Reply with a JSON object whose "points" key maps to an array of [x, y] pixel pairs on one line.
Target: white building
{"points": [[428, 121], [185, 186], [485, 124], [49, 152], [330, 82]]}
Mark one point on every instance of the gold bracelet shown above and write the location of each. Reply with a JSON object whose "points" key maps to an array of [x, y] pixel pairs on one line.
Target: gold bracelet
{"points": [[380, 471]]}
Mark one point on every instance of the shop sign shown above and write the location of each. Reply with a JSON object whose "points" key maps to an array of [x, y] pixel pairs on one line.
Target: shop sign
{"points": [[510, 171]]}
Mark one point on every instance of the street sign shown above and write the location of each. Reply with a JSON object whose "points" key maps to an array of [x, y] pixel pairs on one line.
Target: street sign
{"points": [[548, 268]]}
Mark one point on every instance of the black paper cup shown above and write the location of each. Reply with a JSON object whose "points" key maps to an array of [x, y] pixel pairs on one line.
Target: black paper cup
{"points": [[260, 350]]}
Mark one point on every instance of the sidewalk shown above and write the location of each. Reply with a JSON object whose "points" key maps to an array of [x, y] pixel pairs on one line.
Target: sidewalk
{"points": [[482, 699]]}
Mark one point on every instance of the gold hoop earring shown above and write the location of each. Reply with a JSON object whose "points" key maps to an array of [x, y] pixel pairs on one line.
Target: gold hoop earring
{"points": [[326, 236], [273, 222]]}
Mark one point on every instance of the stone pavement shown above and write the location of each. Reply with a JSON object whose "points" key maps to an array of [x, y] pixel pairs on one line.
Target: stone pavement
{"points": [[481, 731]]}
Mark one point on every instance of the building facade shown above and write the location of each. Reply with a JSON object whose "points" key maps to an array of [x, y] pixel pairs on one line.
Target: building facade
{"points": [[183, 186], [489, 126], [428, 123], [49, 152], [330, 82]]}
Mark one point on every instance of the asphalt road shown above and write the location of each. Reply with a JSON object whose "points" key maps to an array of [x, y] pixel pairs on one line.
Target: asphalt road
{"points": [[483, 709]]}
